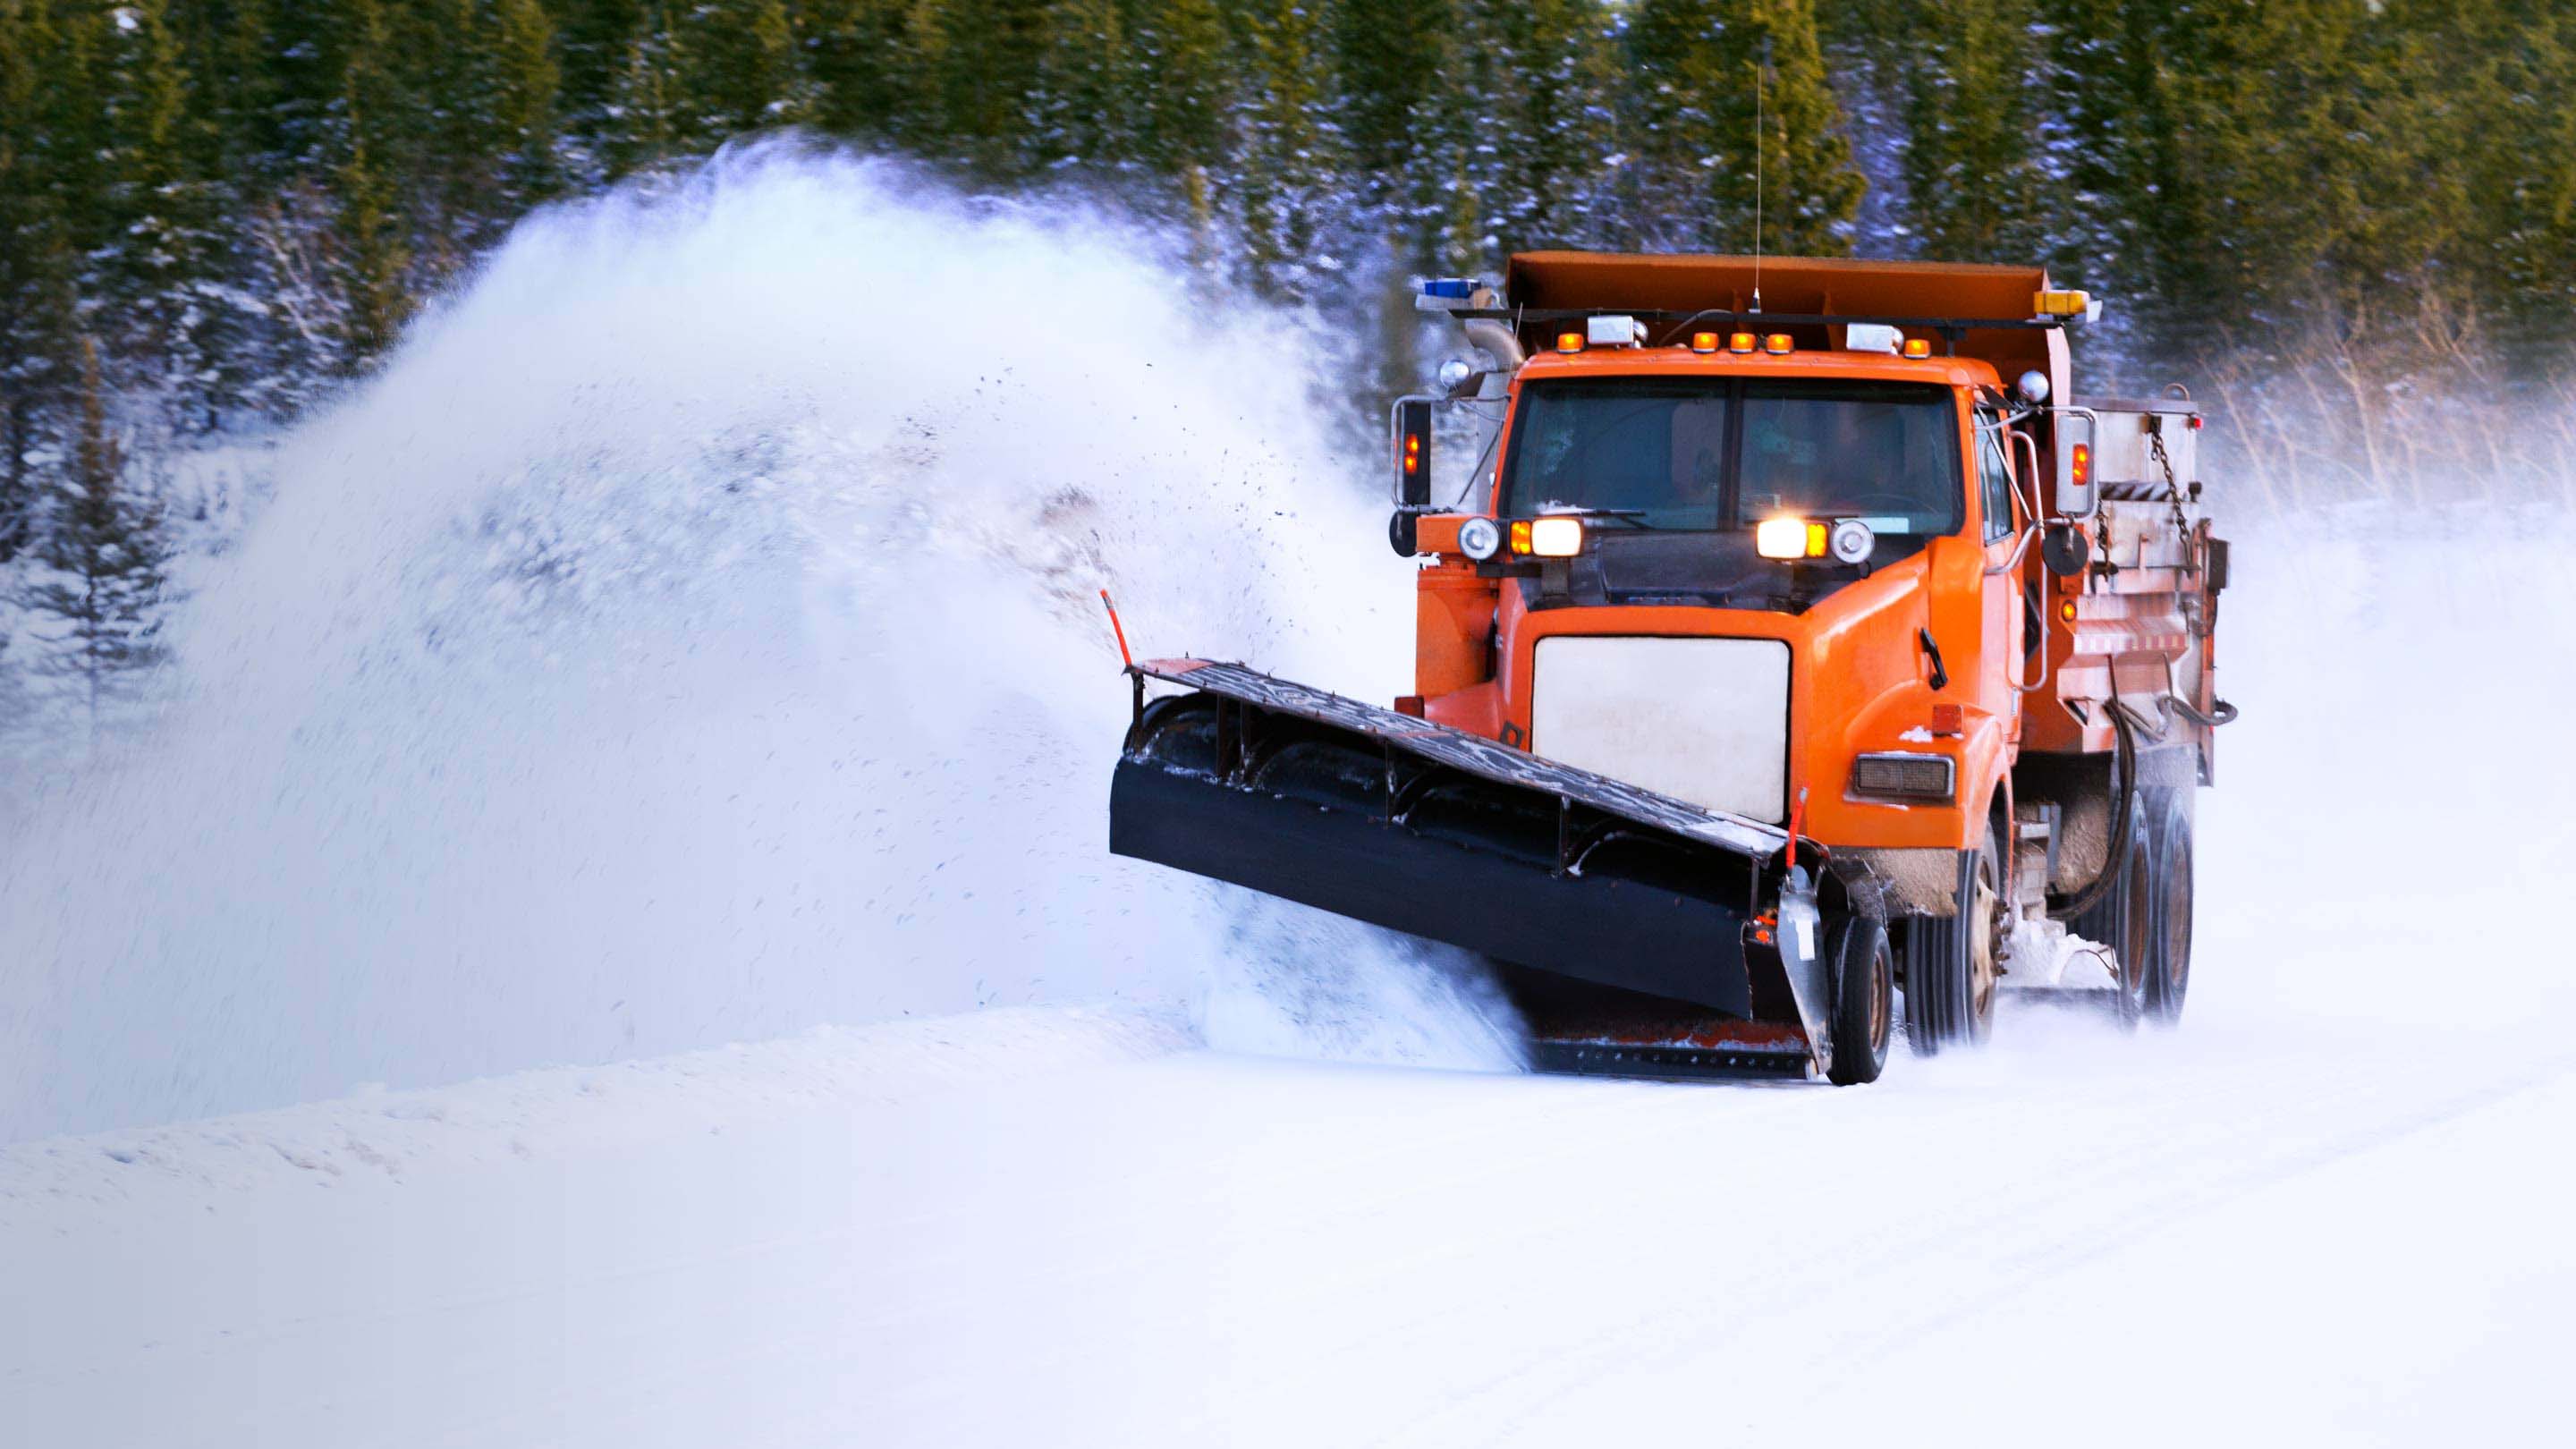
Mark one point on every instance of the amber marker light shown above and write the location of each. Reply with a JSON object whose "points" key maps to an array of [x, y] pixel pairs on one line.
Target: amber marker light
{"points": [[1569, 342], [1918, 347], [1703, 342], [2066, 610], [1740, 342], [1777, 344]]}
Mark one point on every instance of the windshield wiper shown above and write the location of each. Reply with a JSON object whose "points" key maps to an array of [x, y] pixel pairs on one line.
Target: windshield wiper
{"points": [[1633, 517]]}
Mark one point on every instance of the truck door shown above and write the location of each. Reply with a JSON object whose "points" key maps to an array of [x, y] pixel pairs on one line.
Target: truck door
{"points": [[2002, 602]]}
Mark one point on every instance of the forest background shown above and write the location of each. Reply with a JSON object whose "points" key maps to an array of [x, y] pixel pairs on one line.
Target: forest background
{"points": [[2349, 226]]}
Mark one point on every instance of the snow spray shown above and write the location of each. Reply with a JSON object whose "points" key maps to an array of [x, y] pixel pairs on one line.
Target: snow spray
{"points": [[693, 636]]}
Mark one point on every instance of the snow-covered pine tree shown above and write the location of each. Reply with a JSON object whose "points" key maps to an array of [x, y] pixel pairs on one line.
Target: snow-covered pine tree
{"points": [[648, 119], [861, 56], [746, 74], [1693, 120], [39, 267], [1181, 50], [1974, 112], [1082, 108], [528, 81], [101, 590], [157, 272], [1288, 154], [372, 243]]}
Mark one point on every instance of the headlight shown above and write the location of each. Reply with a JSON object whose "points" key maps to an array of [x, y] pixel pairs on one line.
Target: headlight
{"points": [[1556, 537], [1783, 538], [1478, 538], [1904, 776]]}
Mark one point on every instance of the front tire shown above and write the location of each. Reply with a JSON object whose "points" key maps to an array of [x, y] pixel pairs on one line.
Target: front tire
{"points": [[1864, 1000], [1950, 961]]}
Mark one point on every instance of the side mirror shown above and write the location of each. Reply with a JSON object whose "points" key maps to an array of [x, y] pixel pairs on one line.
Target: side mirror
{"points": [[1412, 473], [2075, 431], [1413, 454], [2065, 550]]}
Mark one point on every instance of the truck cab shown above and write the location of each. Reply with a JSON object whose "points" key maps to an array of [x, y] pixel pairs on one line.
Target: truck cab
{"points": [[1834, 566]]}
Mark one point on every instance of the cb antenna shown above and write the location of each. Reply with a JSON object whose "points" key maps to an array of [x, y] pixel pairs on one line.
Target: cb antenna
{"points": [[1761, 136]]}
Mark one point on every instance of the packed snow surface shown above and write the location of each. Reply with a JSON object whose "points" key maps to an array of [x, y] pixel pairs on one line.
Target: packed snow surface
{"points": [[661, 657]]}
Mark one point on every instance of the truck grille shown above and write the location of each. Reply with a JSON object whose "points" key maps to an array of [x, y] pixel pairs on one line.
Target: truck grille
{"points": [[1702, 720]]}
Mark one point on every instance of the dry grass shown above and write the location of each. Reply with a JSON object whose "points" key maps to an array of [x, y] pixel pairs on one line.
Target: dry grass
{"points": [[2421, 416]]}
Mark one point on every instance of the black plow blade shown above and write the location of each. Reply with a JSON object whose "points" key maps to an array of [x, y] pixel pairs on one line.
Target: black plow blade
{"points": [[1428, 830]]}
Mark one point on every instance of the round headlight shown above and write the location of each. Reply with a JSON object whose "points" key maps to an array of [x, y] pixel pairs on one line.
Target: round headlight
{"points": [[1478, 538], [1851, 541], [1454, 374], [2034, 387]]}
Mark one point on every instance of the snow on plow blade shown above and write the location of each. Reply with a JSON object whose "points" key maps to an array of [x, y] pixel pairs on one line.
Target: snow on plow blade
{"points": [[1432, 831]]}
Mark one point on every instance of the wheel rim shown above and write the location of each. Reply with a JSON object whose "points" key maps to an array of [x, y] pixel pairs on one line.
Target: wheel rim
{"points": [[1882, 1001], [1986, 928], [2137, 932], [2177, 932]]}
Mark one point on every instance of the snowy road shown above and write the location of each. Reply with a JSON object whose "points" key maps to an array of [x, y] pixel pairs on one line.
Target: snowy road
{"points": [[831, 745], [2240, 1229], [2330, 1210]]}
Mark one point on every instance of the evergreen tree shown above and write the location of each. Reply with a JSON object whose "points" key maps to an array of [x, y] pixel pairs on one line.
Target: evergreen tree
{"points": [[373, 250], [234, 47], [1084, 100], [1708, 70], [1973, 172], [1538, 78], [157, 269], [862, 60], [38, 269], [527, 83], [2516, 63], [745, 74], [980, 63], [1181, 45], [594, 41], [1389, 59], [104, 553], [1288, 157], [648, 120]]}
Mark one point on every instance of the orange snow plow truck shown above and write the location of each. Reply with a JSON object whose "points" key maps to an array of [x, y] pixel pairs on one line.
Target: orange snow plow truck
{"points": [[1799, 656]]}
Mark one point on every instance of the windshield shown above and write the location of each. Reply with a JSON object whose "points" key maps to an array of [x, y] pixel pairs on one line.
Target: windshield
{"points": [[1690, 453]]}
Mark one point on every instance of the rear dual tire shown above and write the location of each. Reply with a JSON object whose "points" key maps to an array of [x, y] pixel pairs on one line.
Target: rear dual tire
{"points": [[2170, 982], [2146, 919]]}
